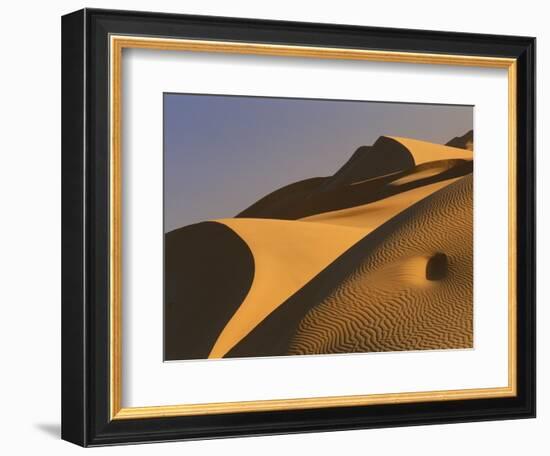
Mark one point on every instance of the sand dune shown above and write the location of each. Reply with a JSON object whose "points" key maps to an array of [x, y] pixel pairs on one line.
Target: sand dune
{"points": [[288, 254], [372, 173], [384, 157], [371, 216], [424, 152], [195, 311], [376, 257], [369, 168], [426, 170], [387, 302], [466, 141]]}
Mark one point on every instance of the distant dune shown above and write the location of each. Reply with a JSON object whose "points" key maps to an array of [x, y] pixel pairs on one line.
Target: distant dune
{"points": [[376, 257], [466, 141], [355, 184]]}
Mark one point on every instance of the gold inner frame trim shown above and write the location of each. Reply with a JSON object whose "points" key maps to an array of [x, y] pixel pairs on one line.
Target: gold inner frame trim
{"points": [[117, 44]]}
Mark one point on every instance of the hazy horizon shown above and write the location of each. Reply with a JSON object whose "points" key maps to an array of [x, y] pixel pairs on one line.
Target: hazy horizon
{"points": [[223, 153]]}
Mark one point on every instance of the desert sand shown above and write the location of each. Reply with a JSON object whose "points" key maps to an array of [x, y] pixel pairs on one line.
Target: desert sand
{"points": [[424, 152], [371, 216], [387, 302], [376, 257], [288, 254]]}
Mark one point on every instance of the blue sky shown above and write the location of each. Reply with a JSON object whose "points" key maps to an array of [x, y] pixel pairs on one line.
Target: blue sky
{"points": [[223, 153]]}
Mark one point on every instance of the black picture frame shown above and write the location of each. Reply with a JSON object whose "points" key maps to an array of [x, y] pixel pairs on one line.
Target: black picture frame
{"points": [[86, 418]]}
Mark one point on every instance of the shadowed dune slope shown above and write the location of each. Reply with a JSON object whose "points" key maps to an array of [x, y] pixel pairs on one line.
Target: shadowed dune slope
{"points": [[389, 302], [385, 156], [287, 255], [371, 216], [390, 291], [424, 172], [277, 204], [370, 166], [466, 141], [210, 272]]}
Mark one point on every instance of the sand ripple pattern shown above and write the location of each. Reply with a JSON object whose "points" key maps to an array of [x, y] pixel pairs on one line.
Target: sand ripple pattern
{"points": [[386, 303]]}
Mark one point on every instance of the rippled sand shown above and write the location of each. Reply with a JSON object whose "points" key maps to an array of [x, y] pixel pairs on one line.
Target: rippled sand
{"points": [[387, 303]]}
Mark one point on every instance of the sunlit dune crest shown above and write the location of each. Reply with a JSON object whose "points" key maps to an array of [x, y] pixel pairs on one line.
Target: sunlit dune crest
{"points": [[424, 152]]}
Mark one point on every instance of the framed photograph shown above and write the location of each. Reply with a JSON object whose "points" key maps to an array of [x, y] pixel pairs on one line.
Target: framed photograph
{"points": [[278, 227]]}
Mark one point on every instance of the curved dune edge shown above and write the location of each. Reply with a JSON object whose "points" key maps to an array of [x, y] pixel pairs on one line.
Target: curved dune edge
{"points": [[425, 171], [289, 254], [371, 216], [193, 315], [424, 152]]}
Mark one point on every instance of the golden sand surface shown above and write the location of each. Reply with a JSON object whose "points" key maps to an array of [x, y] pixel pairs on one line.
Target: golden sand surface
{"points": [[424, 152], [289, 253], [371, 216], [386, 302], [430, 171]]}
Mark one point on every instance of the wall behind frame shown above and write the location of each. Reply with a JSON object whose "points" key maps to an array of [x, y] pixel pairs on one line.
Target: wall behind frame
{"points": [[30, 233]]}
